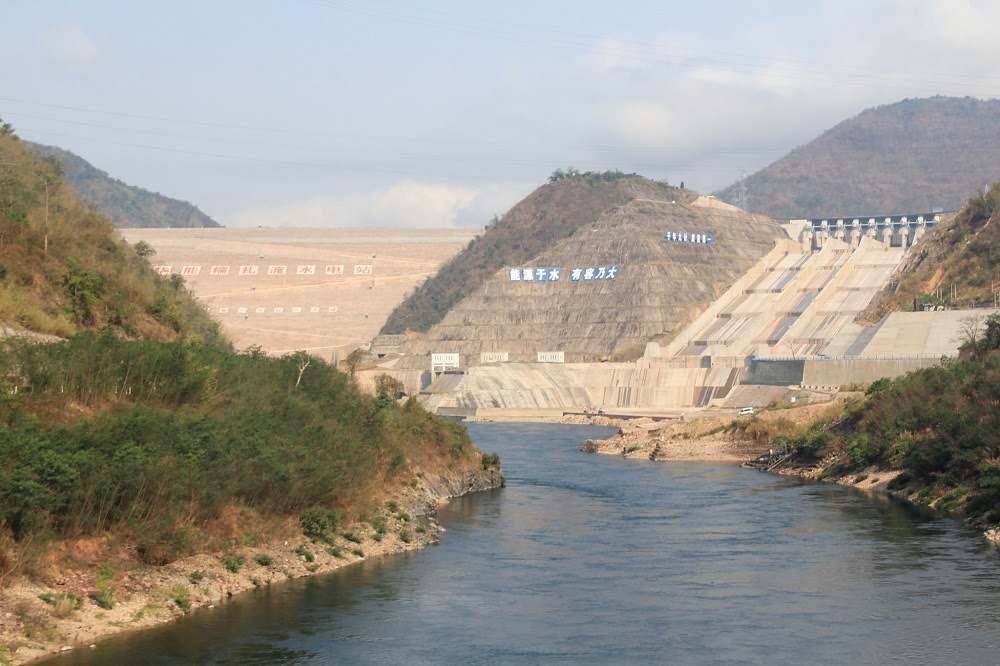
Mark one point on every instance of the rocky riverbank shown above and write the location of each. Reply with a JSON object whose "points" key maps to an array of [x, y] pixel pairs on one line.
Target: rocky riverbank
{"points": [[712, 438], [59, 611]]}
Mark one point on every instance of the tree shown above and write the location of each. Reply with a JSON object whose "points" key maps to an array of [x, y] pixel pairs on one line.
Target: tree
{"points": [[969, 333], [353, 360], [144, 249], [991, 340]]}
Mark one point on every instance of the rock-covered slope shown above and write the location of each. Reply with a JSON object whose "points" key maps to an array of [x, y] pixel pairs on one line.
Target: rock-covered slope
{"points": [[906, 157], [561, 208], [643, 285], [125, 205]]}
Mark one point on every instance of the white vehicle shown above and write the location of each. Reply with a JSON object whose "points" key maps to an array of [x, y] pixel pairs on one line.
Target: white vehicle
{"points": [[746, 411]]}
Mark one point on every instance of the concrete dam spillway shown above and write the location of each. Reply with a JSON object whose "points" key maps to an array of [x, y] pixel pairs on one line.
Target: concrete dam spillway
{"points": [[786, 318]]}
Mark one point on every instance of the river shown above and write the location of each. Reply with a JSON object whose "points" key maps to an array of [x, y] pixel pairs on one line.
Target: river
{"points": [[591, 559]]}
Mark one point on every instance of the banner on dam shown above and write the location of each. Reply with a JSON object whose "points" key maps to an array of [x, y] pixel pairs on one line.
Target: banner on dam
{"points": [[688, 237], [556, 274], [552, 357], [274, 270]]}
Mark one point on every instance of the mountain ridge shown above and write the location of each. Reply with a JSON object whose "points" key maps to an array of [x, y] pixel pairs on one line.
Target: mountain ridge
{"points": [[906, 157], [125, 205]]}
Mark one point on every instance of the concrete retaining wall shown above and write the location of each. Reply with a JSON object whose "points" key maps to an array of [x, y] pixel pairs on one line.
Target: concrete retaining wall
{"points": [[775, 373], [840, 372]]}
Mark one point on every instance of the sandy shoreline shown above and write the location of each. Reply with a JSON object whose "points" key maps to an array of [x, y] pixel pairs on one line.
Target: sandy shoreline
{"points": [[32, 629]]}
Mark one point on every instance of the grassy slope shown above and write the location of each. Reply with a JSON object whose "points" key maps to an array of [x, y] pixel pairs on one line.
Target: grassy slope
{"points": [[152, 442], [550, 213], [63, 268], [961, 259]]}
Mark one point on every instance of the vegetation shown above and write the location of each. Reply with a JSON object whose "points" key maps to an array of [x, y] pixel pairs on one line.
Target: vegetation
{"points": [[939, 425], [105, 597], [957, 266], [125, 205], [63, 269], [905, 157], [553, 212], [154, 441]]}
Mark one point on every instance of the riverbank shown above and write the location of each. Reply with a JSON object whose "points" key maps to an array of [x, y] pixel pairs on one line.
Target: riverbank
{"points": [[715, 439], [58, 610]]}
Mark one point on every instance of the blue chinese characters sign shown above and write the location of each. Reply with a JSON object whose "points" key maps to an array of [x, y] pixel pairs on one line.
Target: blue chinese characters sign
{"points": [[554, 274]]}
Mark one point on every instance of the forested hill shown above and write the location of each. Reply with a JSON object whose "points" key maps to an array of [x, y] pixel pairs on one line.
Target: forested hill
{"points": [[64, 269], [125, 205], [906, 157], [568, 202]]}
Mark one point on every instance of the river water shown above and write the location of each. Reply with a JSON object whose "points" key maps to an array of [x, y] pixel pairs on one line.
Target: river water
{"points": [[591, 559]]}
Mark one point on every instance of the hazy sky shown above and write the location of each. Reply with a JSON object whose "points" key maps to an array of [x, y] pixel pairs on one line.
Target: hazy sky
{"points": [[354, 113]]}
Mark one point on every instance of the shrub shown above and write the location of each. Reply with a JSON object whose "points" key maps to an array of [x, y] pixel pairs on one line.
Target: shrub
{"points": [[358, 552], [351, 536], [318, 522], [232, 562], [105, 597], [305, 554], [490, 460], [404, 536], [264, 560], [196, 575], [63, 603]]}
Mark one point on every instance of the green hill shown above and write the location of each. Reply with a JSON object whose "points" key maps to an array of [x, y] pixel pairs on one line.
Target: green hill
{"points": [[141, 429], [125, 205], [906, 157], [64, 269], [558, 209]]}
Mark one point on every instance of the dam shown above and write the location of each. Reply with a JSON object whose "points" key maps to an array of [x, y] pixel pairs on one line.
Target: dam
{"points": [[788, 322]]}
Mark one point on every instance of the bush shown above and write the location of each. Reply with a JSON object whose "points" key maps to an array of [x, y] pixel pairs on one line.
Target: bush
{"points": [[264, 560], [233, 562], [318, 522], [490, 460], [404, 536], [105, 597], [305, 554]]}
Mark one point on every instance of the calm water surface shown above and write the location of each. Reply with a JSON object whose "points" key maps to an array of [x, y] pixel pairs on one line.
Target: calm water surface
{"points": [[590, 559]]}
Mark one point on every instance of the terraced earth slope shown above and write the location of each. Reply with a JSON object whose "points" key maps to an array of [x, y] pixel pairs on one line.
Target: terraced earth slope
{"points": [[899, 158], [555, 211], [658, 286]]}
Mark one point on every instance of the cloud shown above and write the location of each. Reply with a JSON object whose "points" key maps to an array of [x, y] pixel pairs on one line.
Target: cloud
{"points": [[70, 48], [405, 204]]}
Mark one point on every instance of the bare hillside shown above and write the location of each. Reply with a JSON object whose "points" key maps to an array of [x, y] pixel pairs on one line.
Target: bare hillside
{"points": [[900, 158]]}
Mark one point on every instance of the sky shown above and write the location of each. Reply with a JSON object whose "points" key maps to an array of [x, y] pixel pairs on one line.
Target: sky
{"points": [[384, 113]]}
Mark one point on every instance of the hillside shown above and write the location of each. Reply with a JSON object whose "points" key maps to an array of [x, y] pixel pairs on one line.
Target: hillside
{"points": [[957, 265], [906, 157], [125, 205], [63, 269], [621, 282], [557, 210]]}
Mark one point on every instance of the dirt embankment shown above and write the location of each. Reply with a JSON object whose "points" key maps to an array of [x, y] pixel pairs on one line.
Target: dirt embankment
{"points": [[58, 611]]}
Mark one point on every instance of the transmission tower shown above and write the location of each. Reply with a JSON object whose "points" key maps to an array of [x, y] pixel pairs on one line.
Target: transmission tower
{"points": [[741, 193]]}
